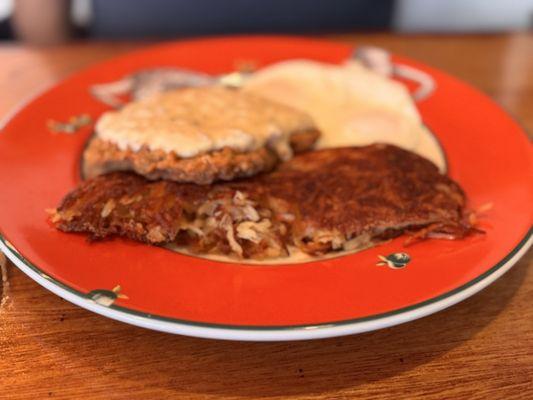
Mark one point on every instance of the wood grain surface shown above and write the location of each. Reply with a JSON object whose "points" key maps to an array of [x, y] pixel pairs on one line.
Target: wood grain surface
{"points": [[479, 349]]}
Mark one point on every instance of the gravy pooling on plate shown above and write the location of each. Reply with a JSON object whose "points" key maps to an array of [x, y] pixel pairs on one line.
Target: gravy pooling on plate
{"points": [[351, 104]]}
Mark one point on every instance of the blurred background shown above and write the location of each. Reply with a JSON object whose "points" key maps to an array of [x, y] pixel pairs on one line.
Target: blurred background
{"points": [[54, 21]]}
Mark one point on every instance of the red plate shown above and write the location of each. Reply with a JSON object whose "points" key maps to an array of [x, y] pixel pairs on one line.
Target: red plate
{"points": [[488, 154]]}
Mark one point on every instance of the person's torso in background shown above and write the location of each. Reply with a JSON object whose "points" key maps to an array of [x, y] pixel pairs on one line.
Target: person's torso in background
{"points": [[167, 18]]}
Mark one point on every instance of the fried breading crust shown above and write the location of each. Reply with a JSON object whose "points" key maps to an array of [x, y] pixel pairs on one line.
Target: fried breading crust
{"points": [[226, 164]]}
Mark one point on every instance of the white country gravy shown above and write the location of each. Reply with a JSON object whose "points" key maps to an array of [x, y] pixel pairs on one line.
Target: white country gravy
{"points": [[296, 256], [197, 120], [351, 105]]}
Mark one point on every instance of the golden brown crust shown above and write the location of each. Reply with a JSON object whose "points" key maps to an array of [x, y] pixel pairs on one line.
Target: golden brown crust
{"points": [[126, 204], [304, 141], [351, 188], [102, 156], [320, 201]]}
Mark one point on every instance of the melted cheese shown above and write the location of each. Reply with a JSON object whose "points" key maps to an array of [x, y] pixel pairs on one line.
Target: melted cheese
{"points": [[198, 120]]}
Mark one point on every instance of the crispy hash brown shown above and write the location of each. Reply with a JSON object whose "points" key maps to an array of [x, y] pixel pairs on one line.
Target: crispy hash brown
{"points": [[328, 200]]}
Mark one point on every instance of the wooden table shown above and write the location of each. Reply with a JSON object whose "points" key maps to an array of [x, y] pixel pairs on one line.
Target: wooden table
{"points": [[479, 349]]}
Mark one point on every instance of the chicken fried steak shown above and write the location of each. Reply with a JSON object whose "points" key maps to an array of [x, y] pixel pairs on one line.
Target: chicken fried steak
{"points": [[322, 201], [199, 135]]}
